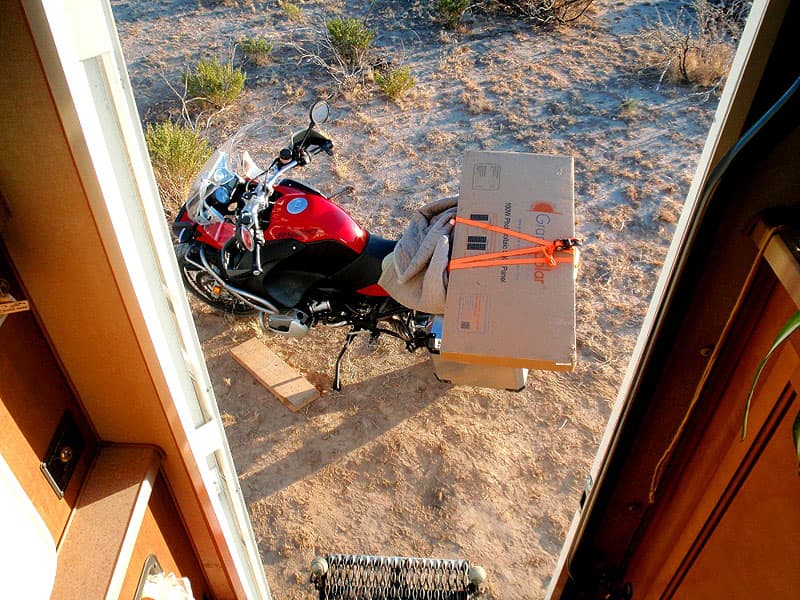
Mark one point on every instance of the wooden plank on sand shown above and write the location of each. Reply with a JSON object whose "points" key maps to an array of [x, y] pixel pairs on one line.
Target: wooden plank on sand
{"points": [[289, 386]]}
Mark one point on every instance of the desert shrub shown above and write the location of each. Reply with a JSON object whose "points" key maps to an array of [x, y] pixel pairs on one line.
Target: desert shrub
{"points": [[177, 153], [217, 83], [630, 108], [257, 50], [544, 12], [352, 40], [395, 83], [292, 11], [344, 48], [452, 11], [697, 45]]}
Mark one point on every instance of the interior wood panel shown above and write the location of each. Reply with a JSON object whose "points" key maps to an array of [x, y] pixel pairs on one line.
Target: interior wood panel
{"points": [[33, 398], [162, 534], [85, 291], [93, 560], [745, 492], [73, 271], [748, 548]]}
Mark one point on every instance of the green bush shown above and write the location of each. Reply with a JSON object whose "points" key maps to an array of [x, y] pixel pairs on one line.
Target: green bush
{"points": [[258, 50], [351, 39], [293, 12], [451, 11], [217, 83], [396, 82], [177, 153]]}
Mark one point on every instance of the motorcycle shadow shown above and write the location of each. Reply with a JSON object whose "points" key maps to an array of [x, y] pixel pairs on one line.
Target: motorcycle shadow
{"points": [[274, 448]]}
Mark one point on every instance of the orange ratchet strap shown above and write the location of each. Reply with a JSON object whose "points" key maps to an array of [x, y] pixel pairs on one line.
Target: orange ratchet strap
{"points": [[506, 257]]}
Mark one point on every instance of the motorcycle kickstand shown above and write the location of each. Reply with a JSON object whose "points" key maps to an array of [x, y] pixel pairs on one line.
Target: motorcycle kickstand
{"points": [[373, 340], [337, 383]]}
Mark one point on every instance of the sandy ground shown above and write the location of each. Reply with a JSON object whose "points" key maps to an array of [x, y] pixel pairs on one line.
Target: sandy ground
{"points": [[397, 463]]}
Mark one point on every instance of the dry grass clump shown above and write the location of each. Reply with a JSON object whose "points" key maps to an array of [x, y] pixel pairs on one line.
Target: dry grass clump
{"points": [[476, 101], [543, 12], [235, 4], [342, 168], [293, 90], [456, 61], [617, 218], [669, 211], [697, 45], [440, 139], [177, 153]]}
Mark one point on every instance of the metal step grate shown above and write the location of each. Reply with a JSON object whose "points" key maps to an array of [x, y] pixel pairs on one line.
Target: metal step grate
{"points": [[361, 577]]}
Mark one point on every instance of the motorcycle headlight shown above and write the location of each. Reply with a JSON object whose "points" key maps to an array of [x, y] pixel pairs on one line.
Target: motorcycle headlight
{"points": [[221, 196], [222, 176]]}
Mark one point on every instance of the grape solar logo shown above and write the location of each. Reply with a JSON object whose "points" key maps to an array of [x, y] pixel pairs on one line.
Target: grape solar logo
{"points": [[543, 207], [542, 220]]}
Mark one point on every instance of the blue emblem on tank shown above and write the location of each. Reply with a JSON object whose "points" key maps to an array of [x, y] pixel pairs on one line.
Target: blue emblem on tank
{"points": [[296, 206]]}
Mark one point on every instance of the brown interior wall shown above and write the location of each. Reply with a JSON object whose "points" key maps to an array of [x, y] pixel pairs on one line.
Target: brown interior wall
{"points": [[33, 397], [52, 238], [162, 534], [718, 467], [57, 233]]}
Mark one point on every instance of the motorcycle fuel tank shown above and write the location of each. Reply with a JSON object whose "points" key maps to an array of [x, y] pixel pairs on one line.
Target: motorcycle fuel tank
{"points": [[308, 217]]}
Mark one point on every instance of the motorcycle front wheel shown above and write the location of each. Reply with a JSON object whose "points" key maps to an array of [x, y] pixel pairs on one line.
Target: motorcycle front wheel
{"points": [[203, 285]]}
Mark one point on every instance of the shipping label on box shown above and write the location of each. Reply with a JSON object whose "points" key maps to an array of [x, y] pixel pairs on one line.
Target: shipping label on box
{"points": [[507, 305]]}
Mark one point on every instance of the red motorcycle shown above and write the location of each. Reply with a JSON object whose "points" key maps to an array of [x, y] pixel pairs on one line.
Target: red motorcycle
{"points": [[255, 241]]}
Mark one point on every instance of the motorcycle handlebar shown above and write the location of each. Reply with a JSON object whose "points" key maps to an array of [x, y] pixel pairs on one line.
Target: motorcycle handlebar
{"points": [[270, 182], [263, 192]]}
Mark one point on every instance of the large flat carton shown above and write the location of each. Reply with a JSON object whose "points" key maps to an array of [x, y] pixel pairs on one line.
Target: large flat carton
{"points": [[517, 311]]}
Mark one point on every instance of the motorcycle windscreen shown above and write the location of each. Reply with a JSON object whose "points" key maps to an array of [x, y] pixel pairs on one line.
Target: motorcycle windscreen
{"points": [[220, 173], [214, 177]]}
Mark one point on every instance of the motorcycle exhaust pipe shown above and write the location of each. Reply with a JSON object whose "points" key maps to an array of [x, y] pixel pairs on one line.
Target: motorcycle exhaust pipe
{"points": [[292, 322]]}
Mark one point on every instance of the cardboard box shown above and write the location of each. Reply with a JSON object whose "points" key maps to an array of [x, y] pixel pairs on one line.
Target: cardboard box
{"points": [[512, 315], [502, 378]]}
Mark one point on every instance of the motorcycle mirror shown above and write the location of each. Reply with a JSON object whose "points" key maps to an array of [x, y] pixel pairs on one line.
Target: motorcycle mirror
{"points": [[319, 113]]}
